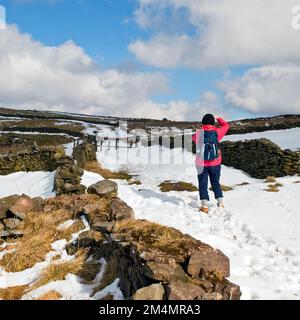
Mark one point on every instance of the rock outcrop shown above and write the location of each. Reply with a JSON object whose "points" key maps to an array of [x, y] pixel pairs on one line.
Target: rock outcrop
{"points": [[152, 261], [104, 189]]}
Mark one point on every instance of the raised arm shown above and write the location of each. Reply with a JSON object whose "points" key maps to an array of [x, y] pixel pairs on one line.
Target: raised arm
{"points": [[194, 137], [224, 128]]}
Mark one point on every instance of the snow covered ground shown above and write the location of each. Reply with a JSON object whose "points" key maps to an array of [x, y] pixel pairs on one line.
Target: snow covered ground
{"points": [[33, 184], [258, 230]]}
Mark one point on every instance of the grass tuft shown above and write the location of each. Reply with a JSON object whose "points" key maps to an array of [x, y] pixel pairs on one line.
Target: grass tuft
{"points": [[30, 250], [224, 188], [40, 231], [51, 295], [156, 236], [58, 271], [270, 179], [272, 188], [168, 186], [13, 293], [94, 166]]}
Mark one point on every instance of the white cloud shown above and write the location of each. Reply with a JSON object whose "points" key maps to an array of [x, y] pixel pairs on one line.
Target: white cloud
{"points": [[65, 78], [270, 89], [226, 32]]}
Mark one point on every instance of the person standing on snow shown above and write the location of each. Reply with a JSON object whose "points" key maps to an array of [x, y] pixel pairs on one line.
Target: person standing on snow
{"points": [[208, 158]]}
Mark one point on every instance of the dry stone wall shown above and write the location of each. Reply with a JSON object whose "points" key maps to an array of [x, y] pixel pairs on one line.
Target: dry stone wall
{"points": [[260, 158], [84, 153], [43, 159]]}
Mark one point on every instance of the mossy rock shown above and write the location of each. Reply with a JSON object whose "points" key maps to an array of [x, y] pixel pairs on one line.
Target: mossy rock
{"points": [[168, 186]]}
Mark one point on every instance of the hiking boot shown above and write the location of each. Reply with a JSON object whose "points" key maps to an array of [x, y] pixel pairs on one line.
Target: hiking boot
{"points": [[221, 205], [204, 210]]}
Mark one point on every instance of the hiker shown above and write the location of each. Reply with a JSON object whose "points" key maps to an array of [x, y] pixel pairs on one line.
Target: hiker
{"points": [[209, 158]]}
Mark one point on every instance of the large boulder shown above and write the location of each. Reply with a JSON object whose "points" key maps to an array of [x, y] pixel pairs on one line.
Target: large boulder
{"points": [[22, 206], [153, 292], [120, 210], [104, 189], [165, 272], [212, 262], [179, 290]]}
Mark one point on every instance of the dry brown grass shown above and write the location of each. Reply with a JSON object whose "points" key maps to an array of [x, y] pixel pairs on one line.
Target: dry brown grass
{"points": [[272, 188], [8, 247], [77, 226], [224, 188], [155, 236], [29, 251], [109, 275], [94, 166], [56, 257], [13, 293], [39, 222], [270, 179], [58, 271], [51, 295], [297, 181], [168, 186], [40, 230]]}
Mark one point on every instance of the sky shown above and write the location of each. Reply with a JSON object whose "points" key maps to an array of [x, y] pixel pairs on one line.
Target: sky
{"points": [[177, 59]]}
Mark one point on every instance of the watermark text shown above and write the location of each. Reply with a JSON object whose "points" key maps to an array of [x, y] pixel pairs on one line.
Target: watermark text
{"points": [[2, 18]]}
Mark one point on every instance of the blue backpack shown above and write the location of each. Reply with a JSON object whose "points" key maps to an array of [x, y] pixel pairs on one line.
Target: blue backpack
{"points": [[209, 149]]}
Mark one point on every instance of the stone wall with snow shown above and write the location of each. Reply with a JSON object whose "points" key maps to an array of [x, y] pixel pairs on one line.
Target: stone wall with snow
{"points": [[260, 158], [43, 159]]}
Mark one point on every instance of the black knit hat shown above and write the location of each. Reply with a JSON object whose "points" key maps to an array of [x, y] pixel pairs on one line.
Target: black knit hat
{"points": [[208, 119]]}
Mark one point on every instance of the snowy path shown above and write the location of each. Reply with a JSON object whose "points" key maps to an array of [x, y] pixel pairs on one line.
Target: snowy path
{"points": [[259, 231]]}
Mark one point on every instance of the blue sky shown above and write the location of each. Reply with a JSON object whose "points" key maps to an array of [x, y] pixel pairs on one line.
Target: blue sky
{"points": [[106, 28]]}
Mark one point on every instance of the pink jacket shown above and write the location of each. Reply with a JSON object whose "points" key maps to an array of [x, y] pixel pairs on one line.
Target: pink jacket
{"points": [[221, 133]]}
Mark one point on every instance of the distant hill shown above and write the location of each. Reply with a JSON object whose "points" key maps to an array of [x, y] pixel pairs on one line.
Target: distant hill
{"points": [[237, 126]]}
